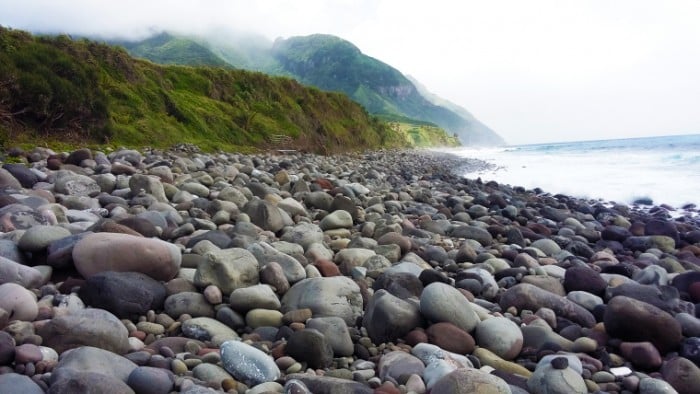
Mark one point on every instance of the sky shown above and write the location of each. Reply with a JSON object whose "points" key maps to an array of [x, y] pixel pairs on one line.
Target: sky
{"points": [[534, 71]]}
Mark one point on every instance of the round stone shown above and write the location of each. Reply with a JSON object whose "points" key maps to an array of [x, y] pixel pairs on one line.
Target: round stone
{"points": [[252, 297], [16, 383], [247, 363], [150, 380], [501, 336], [464, 381], [440, 302], [637, 321], [336, 296], [19, 302], [85, 327], [311, 346], [100, 252], [125, 294], [38, 238], [335, 220], [450, 337], [388, 317]]}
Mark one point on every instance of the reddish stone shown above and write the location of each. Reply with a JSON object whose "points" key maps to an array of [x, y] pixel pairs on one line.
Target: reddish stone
{"points": [[416, 336], [540, 229], [138, 334], [451, 338], [207, 350], [642, 354], [327, 268], [324, 183], [387, 388], [27, 353], [694, 292]]}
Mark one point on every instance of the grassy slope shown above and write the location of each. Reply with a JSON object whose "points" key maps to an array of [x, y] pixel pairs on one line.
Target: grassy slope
{"points": [[56, 90], [327, 62]]}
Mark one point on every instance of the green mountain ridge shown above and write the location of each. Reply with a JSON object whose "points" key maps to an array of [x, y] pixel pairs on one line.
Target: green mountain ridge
{"points": [[332, 63], [56, 90]]}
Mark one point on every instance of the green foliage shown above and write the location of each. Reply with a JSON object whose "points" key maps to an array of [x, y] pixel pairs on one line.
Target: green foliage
{"points": [[57, 90], [165, 48]]}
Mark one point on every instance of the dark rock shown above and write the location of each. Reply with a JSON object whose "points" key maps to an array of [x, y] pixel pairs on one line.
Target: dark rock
{"points": [[637, 321], [264, 215], [615, 233], [583, 278], [560, 363], [690, 349], [217, 237], [141, 226], [470, 232], [400, 284], [76, 157], [59, 254], [662, 227], [388, 317], [23, 174], [125, 294], [429, 276], [7, 348], [310, 346]]}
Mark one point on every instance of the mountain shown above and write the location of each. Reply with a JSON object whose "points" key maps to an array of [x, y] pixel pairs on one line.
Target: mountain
{"points": [[477, 128], [331, 63], [165, 48], [56, 90]]}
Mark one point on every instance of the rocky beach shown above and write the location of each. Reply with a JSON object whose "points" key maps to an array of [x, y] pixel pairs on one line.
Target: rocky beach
{"points": [[382, 272]]}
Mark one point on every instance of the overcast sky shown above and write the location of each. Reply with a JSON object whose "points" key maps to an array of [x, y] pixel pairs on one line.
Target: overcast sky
{"points": [[534, 71]]}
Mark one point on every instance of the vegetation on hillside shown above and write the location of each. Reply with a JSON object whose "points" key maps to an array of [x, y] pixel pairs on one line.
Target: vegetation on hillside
{"points": [[57, 90], [331, 63], [164, 48]]}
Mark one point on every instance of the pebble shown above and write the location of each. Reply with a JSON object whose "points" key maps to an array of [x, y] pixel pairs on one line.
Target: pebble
{"points": [[383, 267], [501, 336], [101, 252], [247, 363]]}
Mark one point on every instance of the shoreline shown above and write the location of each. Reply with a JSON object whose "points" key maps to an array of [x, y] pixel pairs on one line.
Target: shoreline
{"points": [[375, 272]]}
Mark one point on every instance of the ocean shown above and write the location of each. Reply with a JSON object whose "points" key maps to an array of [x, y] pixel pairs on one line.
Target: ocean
{"points": [[663, 170]]}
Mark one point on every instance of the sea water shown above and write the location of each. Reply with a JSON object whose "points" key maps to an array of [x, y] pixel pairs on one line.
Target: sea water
{"points": [[665, 170]]}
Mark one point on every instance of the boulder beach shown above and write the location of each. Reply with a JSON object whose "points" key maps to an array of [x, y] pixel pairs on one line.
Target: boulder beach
{"points": [[161, 271]]}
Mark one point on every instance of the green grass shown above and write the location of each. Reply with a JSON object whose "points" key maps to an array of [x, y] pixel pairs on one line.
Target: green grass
{"points": [[56, 91]]}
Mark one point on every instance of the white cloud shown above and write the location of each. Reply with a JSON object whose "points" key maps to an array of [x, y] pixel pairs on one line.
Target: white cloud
{"points": [[538, 70]]}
